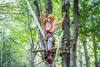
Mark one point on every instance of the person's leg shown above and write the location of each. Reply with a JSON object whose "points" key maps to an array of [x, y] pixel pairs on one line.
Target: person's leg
{"points": [[49, 45]]}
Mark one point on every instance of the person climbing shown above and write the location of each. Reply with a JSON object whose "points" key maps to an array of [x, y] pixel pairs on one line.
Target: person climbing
{"points": [[49, 27]]}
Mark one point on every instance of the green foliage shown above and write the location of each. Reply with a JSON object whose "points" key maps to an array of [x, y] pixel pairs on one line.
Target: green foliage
{"points": [[18, 27]]}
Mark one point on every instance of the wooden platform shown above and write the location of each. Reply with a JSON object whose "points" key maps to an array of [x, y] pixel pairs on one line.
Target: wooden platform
{"points": [[53, 51], [43, 50], [63, 50]]}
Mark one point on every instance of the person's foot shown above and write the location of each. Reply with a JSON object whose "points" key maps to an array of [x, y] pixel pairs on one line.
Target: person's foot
{"points": [[48, 52], [48, 60]]}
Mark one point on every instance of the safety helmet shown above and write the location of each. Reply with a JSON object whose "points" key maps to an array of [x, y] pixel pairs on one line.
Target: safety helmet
{"points": [[51, 16]]}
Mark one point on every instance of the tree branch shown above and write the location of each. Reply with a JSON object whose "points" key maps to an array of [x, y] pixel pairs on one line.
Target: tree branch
{"points": [[38, 63], [19, 45], [14, 13]]}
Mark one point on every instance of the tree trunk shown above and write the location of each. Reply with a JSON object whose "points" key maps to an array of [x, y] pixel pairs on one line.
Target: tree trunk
{"points": [[95, 52], [31, 58], [48, 5], [80, 56], [86, 53], [37, 13], [2, 50], [66, 34], [74, 34], [9, 53], [31, 43]]}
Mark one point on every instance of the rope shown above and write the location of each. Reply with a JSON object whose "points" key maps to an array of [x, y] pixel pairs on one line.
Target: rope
{"points": [[57, 50]]}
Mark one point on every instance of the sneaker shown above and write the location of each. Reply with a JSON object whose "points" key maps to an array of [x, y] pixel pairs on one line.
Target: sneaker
{"points": [[48, 52], [48, 60]]}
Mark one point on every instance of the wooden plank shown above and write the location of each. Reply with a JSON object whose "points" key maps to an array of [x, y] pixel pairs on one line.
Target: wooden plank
{"points": [[43, 50]]}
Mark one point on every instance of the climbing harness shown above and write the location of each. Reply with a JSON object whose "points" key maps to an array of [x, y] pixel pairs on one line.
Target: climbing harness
{"points": [[51, 26]]}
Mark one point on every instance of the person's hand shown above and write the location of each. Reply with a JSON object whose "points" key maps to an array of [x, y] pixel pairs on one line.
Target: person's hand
{"points": [[64, 14], [45, 9]]}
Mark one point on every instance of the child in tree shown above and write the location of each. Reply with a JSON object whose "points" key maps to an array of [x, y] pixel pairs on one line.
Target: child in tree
{"points": [[49, 27]]}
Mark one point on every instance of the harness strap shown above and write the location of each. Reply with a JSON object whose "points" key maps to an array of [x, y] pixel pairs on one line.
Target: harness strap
{"points": [[50, 33], [47, 32]]}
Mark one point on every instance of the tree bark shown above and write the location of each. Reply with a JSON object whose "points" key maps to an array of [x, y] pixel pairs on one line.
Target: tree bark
{"points": [[86, 53], [95, 52], [66, 34], [74, 34], [80, 56], [48, 5]]}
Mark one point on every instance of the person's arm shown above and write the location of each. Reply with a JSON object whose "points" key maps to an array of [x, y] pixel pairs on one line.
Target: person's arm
{"points": [[61, 21], [41, 17]]}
